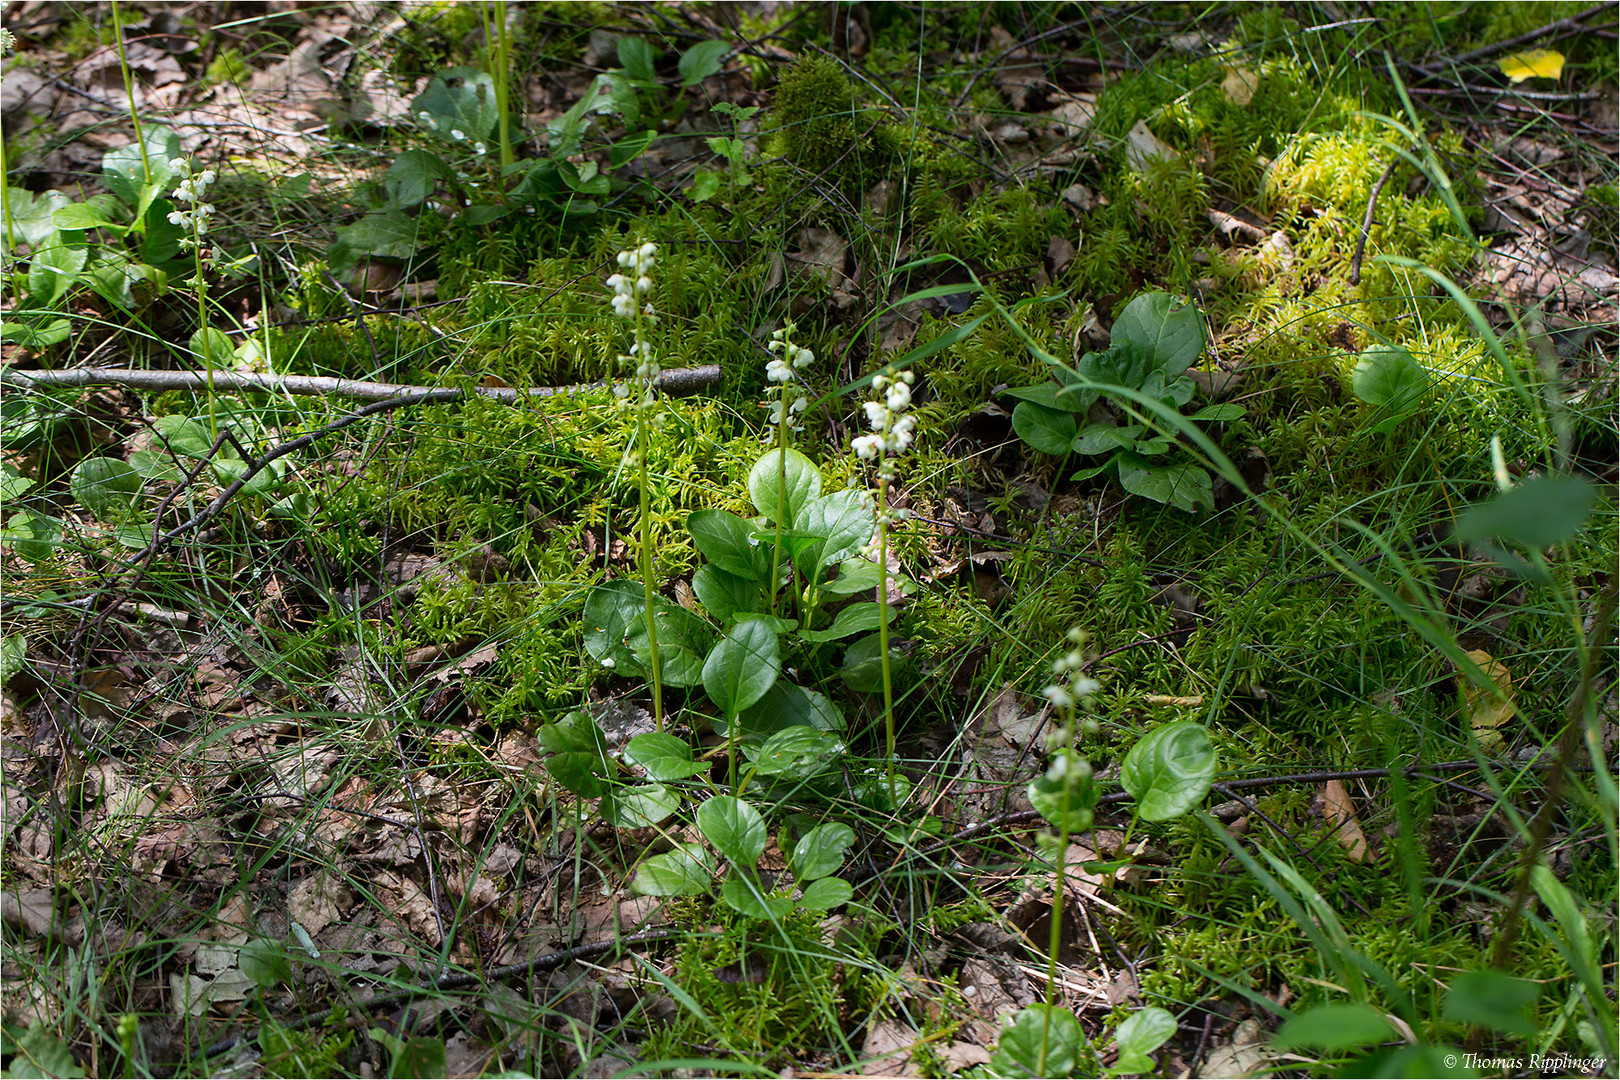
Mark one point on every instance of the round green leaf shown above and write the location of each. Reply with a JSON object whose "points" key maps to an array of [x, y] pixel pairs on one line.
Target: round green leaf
{"points": [[826, 894], [663, 756], [686, 871], [639, 807], [1048, 797], [726, 541], [1171, 331], [743, 895], [610, 610], [781, 485], [1536, 513], [724, 595], [798, 752], [734, 828], [742, 667], [105, 486], [843, 521], [1169, 771], [184, 436], [212, 348], [1185, 487], [265, 962], [460, 100], [1389, 378], [1334, 1027], [786, 705], [853, 619], [1040, 1041], [820, 851], [684, 640], [1051, 431], [1144, 1031]]}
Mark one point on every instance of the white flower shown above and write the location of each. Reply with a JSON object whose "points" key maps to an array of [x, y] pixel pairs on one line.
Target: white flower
{"points": [[867, 447], [427, 121], [899, 397], [7, 42], [1059, 696], [480, 149], [777, 371], [877, 416], [458, 135]]}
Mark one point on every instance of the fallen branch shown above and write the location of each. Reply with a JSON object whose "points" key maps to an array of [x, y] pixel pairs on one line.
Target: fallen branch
{"points": [[678, 383]]}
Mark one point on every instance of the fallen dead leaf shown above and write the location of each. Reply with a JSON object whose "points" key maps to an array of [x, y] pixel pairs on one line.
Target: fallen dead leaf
{"points": [[1532, 64], [1144, 148], [1240, 85], [1487, 712], [1336, 808]]}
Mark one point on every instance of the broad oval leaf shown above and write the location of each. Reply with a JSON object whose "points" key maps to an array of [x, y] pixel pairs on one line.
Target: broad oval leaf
{"points": [[639, 807], [1334, 1027], [734, 828], [701, 61], [1535, 513], [1170, 330], [105, 486], [578, 754], [786, 705], [743, 666], [843, 521], [1040, 1041], [743, 895], [1169, 771], [212, 348], [1389, 379], [685, 871], [724, 594], [610, 610], [820, 851], [1051, 431], [826, 894], [726, 541], [854, 619], [1145, 1030], [460, 104], [663, 756], [781, 482], [684, 640], [1185, 486], [798, 753], [1067, 802]]}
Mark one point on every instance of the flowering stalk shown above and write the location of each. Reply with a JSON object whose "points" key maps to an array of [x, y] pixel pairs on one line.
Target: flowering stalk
{"points": [[780, 373], [1070, 773], [631, 292], [891, 435], [191, 192]]}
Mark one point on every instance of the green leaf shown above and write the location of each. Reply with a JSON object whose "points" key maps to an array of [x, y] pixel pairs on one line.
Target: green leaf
{"points": [[855, 576], [734, 828], [578, 754], [13, 652], [387, 233], [40, 1053], [53, 270], [419, 1057], [32, 535], [725, 595], [413, 176], [163, 236], [610, 610], [33, 216], [1170, 330], [1047, 796], [742, 667], [468, 106], [743, 895], [1106, 438], [39, 333], [1494, 1000], [731, 149], [1185, 487], [685, 871], [826, 894], [798, 753], [210, 347], [684, 639], [1334, 1027], [726, 541], [820, 851], [1219, 414], [844, 522], [1535, 513], [1169, 771], [854, 619], [627, 149], [781, 482], [862, 670], [663, 756], [1051, 431], [786, 705], [85, 215], [1389, 379], [105, 486], [636, 57], [1040, 1041], [705, 185], [184, 437], [701, 61], [1144, 1031], [639, 807], [265, 962], [124, 171], [1052, 396]]}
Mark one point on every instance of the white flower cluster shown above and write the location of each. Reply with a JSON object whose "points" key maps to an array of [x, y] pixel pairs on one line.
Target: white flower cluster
{"points": [[892, 428], [191, 189], [787, 360], [1070, 687], [7, 42], [637, 283], [628, 289]]}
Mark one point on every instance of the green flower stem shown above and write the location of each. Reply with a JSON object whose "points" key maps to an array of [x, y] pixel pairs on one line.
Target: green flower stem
{"points": [[129, 93], [1055, 941], [781, 500], [648, 564], [883, 641]]}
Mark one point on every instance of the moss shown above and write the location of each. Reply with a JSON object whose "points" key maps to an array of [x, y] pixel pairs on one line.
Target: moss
{"points": [[823, 132]]}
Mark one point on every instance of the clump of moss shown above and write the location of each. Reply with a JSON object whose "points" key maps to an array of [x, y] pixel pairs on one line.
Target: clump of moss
{"points": [[823, 131]]}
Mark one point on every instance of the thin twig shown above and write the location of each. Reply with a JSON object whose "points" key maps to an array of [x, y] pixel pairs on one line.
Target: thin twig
{"points": [[1367, 221], [678, 382], [1572, 23]]}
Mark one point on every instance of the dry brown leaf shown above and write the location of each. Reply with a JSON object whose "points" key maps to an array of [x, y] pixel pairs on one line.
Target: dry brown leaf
{"points": [[1239, 86], [1168, 699], [1336, 808]]}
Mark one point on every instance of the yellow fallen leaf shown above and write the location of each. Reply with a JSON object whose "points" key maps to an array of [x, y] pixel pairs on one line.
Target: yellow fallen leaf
{"points": [[1239, 85], [1336, 807], [1533, 64], [1487, 712], [1167, 699]]}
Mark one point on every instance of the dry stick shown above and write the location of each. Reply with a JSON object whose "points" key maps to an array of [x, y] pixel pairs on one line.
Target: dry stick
{"points": [[458, 982], [1571, 23], [1367, 221], [677, 383]]}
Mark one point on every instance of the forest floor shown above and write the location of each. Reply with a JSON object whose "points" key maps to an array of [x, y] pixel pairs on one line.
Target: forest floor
{"points": [[394, 683]]}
